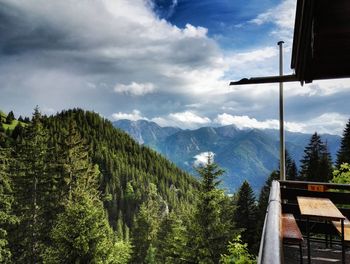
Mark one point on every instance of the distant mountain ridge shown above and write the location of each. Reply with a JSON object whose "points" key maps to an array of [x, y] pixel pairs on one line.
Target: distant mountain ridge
{"points": [[244, 154]]}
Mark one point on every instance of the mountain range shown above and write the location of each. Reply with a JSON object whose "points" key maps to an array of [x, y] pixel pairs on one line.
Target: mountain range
{"points": [[244, 154]]}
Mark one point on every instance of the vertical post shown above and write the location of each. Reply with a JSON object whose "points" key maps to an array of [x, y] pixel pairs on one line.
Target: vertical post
{"points": [[342, 242], [282, 145]]}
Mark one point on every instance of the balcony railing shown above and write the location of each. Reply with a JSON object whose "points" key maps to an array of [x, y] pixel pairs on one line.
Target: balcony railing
{"points": [[283, 199]]}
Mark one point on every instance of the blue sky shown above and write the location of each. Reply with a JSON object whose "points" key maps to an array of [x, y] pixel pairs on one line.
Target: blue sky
{"points": [[168, 61]]}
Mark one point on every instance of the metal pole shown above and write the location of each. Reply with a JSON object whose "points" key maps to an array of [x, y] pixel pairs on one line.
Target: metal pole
{"points": [[282, 145]]}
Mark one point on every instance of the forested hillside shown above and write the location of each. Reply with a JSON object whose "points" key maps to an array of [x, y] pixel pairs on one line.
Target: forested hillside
{"points": [[52, 164]]}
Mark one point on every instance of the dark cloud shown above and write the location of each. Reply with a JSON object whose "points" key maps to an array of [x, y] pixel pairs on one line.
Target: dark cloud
{"points": [[62, 54]]}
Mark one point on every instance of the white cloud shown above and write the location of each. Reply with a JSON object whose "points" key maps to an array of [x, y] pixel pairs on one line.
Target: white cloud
{"points": [[318, 88], [195, 32], [133, 116], [134, 88], [253, 56], [185, 119], [247, 122], [330, 123], [202, 158], [282, 16], [189, 117]]}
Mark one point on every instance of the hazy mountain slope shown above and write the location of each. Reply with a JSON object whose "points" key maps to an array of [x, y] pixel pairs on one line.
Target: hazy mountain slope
{"points": [[245, 154], [145, 132]]}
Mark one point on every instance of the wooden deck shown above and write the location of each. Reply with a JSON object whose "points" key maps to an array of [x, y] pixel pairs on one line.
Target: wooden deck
{"points": [[319, 254]]}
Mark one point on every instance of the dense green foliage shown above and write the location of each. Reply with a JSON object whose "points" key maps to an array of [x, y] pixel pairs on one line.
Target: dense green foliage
{"points": [[79, 186], [342, 174], [317, 163], [212, 227], [238, 253], [343, 155], [6, 201], [246, 216]]}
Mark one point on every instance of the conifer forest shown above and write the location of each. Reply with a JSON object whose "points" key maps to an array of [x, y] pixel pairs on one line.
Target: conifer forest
{"points": [[74, 189]]}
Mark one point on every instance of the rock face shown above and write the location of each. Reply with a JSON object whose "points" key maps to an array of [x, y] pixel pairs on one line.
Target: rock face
{"points": [[244, 154]]}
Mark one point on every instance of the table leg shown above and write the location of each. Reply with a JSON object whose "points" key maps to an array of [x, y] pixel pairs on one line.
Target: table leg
{"points": [[308, 239], [342, 241], [326, 234]]}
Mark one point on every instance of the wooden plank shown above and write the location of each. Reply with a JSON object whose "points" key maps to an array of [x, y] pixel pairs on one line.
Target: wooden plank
{"points": [[319, 207], [290, 229]]}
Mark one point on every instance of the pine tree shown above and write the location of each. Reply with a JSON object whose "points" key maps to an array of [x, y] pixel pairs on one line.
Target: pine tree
{"points": [[74, 163], [211, 233], [82, 233], [7, 219], [26, 120], [316, 164], [10, 117], [343, 155], [17, 132], [291, 168], [32, 191], [146, 226], [245, 216], [172, 240]]}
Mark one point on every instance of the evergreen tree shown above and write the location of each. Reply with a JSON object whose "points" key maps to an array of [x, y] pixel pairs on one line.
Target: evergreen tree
{"points": [[75, 164], [316, 164], [33, 188], [10, 117], [172, 240], [343, 155], [245, 216], [146, 227], [291, 168], [210, 232], [82, 233], [7, 219], [17, 132], [26, 120]]}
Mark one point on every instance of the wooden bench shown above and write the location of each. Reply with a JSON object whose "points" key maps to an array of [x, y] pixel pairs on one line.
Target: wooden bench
{"points": [[337, 225], [291, 233]]}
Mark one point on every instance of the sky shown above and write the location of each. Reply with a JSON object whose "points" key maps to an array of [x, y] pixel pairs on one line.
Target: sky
{"points": [[167, 61]]}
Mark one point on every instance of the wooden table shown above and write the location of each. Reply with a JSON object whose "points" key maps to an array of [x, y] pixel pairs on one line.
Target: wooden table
{"points": [[320, 208]]}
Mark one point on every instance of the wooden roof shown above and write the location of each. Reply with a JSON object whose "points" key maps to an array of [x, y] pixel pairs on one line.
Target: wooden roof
{"points": [[321, 43]]}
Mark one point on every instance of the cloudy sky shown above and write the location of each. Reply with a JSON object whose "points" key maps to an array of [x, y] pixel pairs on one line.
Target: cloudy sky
{"points": [[169, 61]]}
